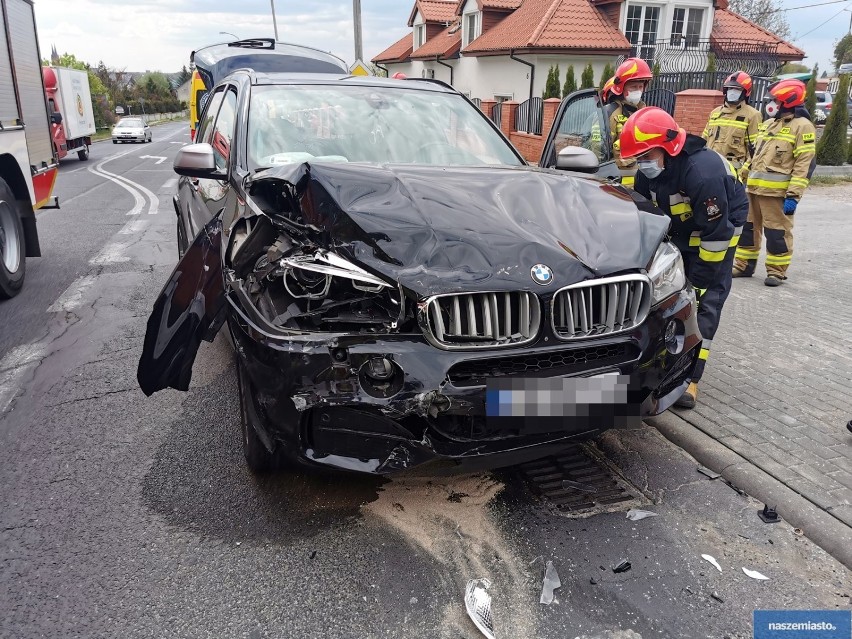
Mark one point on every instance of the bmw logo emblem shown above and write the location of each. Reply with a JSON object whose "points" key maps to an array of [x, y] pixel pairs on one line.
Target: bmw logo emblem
{"points": [[541, 274]]}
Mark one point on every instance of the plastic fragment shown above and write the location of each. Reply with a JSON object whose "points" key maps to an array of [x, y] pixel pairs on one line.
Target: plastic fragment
{"points": [[769, 515], [713, 561], [622, 566], [477, 602], [576, 485], [716, 596], [634, 514], [551, 583], [754, 574], [709, 473]]}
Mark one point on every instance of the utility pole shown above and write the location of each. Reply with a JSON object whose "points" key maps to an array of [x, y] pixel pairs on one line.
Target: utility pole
{"points": [[274, 22], [356, 14]]}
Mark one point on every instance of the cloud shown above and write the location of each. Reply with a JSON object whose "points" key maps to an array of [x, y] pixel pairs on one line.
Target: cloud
{"points": [[160, 34]]}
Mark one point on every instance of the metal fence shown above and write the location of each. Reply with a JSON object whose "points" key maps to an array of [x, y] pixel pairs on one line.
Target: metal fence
{"points": [[497, 114], [529, 115], [676, 82], [689, 55], [477, 102], [663, 98]]}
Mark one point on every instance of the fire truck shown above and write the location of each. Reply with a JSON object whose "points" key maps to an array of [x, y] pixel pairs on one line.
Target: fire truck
{"points": [[28, 165]]}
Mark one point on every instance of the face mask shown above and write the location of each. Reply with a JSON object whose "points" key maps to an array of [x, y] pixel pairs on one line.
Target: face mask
{"points": [[633, 97], [732, 96], [650, 169], [772, 108]]}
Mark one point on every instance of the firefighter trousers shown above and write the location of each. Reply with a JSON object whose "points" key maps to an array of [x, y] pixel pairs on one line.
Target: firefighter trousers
{"points": [[766, 217], [711, 303]]}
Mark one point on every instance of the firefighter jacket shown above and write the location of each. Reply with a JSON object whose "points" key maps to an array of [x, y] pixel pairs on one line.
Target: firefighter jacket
{"points": [[701, 193], [784, 156], [619, 110], [732, 131]]}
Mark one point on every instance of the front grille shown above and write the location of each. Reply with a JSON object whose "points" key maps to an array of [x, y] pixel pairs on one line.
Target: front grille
{"points": [[552, 364], [601, 307], [479, 320]]}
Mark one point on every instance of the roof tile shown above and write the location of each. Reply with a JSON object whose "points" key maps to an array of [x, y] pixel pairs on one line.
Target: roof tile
{"points": [[731, 27], [552, 24], [398, 51], [444, 45], [434, 11]]}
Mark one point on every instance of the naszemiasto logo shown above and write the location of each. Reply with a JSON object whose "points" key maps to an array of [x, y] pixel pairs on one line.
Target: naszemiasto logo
{"points": [[79, 104], [541, 274]]}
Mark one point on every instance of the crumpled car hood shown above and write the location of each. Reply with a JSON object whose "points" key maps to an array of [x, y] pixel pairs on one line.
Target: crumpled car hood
{"points": [[444, 230]]}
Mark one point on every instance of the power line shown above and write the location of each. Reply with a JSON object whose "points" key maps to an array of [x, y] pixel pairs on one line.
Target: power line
{"points": [[821, 25], [806, 6]]}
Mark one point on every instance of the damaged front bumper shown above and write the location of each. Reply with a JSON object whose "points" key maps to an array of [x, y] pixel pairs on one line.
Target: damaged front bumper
{"points": [[389, 403]]}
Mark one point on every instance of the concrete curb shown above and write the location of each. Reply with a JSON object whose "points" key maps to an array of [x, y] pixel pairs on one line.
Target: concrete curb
{"points": [[825, 530], [835, 171]]}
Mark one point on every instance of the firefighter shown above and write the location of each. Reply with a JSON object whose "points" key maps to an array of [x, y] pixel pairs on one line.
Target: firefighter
{"points": [[706, 202], [629, 83], [777, 176], [732, 127], [596, 133]]}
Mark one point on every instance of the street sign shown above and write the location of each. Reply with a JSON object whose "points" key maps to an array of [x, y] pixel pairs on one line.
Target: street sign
{"points": [[359, 68]]}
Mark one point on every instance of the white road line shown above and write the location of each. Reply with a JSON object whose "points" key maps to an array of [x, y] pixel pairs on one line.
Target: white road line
{"points": [[73, 296], [134, 227], [139, 201], [17, 363], [111, 253], [169, 184]]}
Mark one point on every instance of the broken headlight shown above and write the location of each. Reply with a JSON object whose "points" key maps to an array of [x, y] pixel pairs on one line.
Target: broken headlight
{"points": [[666, 272], [316, 290]]}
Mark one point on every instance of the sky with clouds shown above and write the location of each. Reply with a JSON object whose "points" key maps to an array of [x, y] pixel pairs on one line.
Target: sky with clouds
{"points": [[142, 35]]}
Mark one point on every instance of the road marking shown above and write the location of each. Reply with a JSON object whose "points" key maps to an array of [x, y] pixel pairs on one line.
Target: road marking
{"points": [[73, 296], [169, 184], [134, 227], [139, 201], [17, 363], [111, 254], [160, 158], [181, 143]]}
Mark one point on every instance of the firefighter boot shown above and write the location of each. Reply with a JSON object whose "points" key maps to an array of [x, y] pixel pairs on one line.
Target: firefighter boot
{"points": [[744, 268], [687, 400], [773, 280]]}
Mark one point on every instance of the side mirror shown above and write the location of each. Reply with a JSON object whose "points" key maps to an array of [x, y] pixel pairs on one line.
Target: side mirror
{"points": [[196, 160], [576, 158], [56, 117]]}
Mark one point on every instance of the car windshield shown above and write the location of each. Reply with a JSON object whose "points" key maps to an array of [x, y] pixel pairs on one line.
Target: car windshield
{"points": [[129, 124], [369, 124]]}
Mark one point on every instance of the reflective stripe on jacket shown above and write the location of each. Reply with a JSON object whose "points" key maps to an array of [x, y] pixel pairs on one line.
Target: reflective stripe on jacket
{"points": [[732, 131], [784, 158]]}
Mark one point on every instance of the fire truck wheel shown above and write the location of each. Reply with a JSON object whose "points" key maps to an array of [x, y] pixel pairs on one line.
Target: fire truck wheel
{"points": [[12, 255]]}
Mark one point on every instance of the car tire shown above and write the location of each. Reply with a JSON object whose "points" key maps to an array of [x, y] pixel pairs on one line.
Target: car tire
{"points": [[12, 252], [83, 154], [259, 459]]}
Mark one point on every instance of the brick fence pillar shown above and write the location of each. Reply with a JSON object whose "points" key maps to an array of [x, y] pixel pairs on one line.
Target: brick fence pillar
{"points": [[486, 105], [507, 117], [551, 105], [693, 107]]}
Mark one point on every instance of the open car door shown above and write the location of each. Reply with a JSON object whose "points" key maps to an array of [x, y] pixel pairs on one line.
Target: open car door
{"points": [[191, 307], [581, 121]]}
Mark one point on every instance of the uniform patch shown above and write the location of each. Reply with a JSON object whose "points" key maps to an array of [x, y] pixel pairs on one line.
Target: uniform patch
{"points": [[785, 130], [808, 137], [713, 210]]}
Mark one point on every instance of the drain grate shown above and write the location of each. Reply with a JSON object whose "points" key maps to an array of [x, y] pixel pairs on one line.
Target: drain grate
{"points": [[591, 485]]}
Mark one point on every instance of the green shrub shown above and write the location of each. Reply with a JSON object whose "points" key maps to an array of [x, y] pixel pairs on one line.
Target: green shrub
{"points": [[832, 146]]}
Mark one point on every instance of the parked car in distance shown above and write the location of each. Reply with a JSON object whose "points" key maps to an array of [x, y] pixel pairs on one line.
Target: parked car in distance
{"points": [[401, 286], [131, 130], [823, 106]]}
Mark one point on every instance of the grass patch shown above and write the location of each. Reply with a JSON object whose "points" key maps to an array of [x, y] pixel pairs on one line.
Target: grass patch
{"points": [[103, 134], [831, 180]]}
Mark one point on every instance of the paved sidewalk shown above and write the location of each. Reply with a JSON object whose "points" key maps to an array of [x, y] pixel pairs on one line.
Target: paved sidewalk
{"points": [[778, 386]]}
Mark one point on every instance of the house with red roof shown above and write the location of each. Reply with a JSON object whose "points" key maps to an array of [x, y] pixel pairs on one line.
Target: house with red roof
{"points": [[503, 49]]}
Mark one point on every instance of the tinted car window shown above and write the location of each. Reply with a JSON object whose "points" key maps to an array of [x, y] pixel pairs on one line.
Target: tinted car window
{"points": [[370, 124], [205, 126], [223, 132]]}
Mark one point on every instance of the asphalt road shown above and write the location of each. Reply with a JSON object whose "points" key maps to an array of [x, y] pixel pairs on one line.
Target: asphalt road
{"points": [[126, 516]]}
